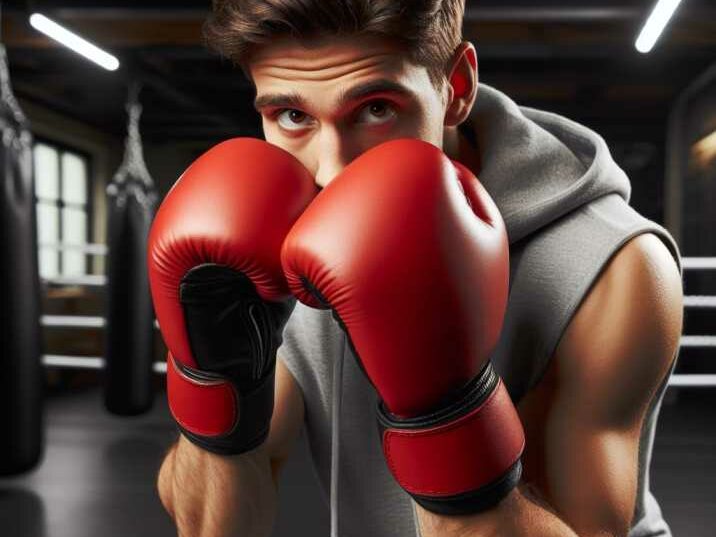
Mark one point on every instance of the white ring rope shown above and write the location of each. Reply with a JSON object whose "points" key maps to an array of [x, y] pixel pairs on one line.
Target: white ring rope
{"points": [[699, 263], [89, 249], [72, 321], [90, 280], [87, 362]]}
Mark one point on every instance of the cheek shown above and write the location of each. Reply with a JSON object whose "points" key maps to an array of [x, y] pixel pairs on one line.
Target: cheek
{"points": [[424, 123], [414, 123], [275, 136], [302, 153], [269, 132]]}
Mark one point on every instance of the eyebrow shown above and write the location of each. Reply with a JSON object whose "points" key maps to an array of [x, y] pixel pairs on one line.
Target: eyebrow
{"points": [[278, 100], [294, 100]]}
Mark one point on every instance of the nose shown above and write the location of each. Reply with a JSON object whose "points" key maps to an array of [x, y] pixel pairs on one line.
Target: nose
{"points": [[333, 155]]}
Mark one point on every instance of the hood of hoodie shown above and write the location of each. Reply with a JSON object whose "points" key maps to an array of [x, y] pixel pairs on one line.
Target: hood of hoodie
{"points": [[539, 166]]}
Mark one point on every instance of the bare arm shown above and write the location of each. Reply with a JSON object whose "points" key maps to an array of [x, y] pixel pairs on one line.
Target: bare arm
{"points": [[583, 421], [217, 496]]}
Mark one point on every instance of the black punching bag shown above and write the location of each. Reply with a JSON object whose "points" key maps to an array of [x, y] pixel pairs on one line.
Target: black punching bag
{"points": [[20, 368], [130, 315]]}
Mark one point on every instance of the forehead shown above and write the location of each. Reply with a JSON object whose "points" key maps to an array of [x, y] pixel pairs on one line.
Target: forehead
{"points": [[322, 65]]}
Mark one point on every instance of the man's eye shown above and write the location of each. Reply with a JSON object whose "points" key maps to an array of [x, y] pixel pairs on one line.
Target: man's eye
{"points": [[292, 119], [376, 113]]}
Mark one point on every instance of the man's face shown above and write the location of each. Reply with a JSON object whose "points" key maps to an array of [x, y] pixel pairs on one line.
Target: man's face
{"points": [[329, 103]]}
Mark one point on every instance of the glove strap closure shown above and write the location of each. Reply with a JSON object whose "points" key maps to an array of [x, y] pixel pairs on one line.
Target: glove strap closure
{"points": [[460, 465], [212, 413]]}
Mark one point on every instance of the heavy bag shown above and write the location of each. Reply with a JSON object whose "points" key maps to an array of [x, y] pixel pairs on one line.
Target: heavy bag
{"points": [[129, 340], [20, 349]]}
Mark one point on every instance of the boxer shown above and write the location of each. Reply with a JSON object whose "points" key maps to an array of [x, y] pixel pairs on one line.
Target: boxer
{"points": [[574, 332]]}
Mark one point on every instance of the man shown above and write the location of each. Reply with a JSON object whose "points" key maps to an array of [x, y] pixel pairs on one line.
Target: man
{"points": [[592, 325]]}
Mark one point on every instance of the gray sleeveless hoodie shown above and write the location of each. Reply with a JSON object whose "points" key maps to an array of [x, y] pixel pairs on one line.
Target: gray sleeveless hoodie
{"points": [[565, 203]]}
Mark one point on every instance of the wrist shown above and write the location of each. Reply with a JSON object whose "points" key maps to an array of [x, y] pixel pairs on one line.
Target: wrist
{"points": [[222, 495], [188, 450], [493, 522]]}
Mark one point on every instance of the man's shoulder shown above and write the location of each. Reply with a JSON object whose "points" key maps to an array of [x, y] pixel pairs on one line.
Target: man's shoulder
{"points": [[622, 340]]}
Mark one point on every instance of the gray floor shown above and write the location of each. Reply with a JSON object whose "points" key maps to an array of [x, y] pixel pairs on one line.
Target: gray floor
{"points": [[97, 476]]}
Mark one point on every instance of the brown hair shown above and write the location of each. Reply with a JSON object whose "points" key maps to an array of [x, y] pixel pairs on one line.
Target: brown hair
{"points": [[430, 29]]}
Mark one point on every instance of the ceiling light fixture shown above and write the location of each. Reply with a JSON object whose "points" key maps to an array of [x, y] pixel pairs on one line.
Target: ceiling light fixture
{"points": [[655, 24], [71, 40]]}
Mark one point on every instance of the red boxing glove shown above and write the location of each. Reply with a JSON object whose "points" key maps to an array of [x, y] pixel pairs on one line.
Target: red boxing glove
{"points": [[411, 254], [219, 291]]}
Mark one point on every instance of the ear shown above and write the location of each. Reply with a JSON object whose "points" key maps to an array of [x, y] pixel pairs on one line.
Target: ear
{"points": [[462, 82]]}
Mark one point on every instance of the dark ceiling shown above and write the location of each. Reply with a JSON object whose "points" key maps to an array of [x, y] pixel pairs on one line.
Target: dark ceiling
{"points": [[575, 57]]}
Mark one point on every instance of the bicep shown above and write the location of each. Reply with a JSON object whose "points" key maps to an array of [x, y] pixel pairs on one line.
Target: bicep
{"points": [[287, 418], [607, 368], [592, 472]]}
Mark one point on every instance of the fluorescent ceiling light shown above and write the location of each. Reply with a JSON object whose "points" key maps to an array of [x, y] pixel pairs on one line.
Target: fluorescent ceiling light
{"points": [[71, 40], [655, 24]]}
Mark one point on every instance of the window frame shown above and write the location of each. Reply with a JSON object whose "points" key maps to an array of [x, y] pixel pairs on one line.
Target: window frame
{"points": [[62, 148]]}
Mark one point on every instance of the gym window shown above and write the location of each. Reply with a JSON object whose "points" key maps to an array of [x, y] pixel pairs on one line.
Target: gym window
{"points": [[61, 192]]}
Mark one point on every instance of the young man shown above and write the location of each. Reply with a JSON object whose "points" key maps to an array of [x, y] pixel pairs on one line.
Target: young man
{"points": [[593, 320]]}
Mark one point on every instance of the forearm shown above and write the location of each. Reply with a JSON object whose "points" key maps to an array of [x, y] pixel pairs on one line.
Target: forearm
{"points": [[519, 514], [215, 495]]}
